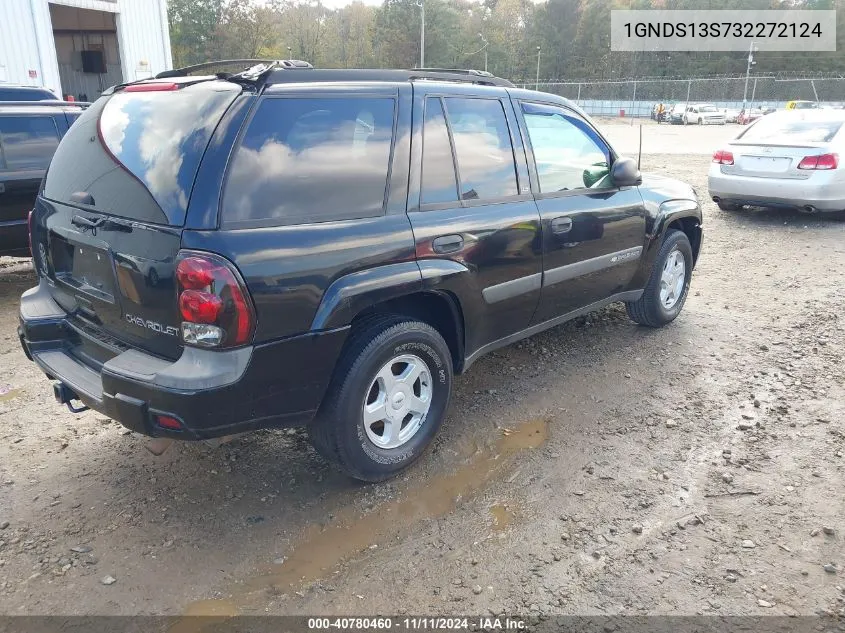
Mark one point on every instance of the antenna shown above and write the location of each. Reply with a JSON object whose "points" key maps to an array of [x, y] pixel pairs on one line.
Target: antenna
{"points": [[640, 150]]}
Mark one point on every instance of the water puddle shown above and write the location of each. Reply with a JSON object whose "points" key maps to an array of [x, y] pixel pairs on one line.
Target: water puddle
{"points": [[502, 517], [204, 614], [321, 549], [213, 608], [7, 393]]}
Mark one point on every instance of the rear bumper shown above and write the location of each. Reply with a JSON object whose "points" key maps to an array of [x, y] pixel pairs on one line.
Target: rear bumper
{"points": [[212, 393], [823, 190]]}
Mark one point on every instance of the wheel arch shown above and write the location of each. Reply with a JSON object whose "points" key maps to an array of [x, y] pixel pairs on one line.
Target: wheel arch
{"points": [[438, 308], [681, 214]]}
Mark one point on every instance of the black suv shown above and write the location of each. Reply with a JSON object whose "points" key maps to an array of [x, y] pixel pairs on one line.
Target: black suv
{"points": [[29, 135], [291, 246]]}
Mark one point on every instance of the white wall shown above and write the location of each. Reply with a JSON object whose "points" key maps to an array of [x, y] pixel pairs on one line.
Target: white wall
{"points": [[26, 39]]}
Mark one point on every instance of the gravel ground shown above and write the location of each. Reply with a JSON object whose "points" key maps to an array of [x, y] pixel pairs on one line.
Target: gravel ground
{"points": [[598, 468]]}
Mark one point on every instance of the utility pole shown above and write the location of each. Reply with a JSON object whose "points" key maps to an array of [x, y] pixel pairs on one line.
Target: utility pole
{"points": [[484, 39], [537, 82], [751, 62], [422, 33]]}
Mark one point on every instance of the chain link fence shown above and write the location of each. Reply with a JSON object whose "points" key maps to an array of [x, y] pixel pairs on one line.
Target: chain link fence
{"points": [[636, 98]]}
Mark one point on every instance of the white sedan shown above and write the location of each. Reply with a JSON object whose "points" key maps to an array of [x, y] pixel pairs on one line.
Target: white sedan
{"points": [[792, 159]]}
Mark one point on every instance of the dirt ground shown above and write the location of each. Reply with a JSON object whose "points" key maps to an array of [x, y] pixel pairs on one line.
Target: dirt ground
{"points": [[598, 468]]}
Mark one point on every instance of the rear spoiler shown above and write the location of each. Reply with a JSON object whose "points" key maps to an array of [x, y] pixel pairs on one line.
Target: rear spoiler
{"points": [[47, 103]]}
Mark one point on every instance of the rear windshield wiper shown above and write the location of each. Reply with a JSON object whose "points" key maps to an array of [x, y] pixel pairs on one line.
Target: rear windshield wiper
{"points": [[85, 223]]}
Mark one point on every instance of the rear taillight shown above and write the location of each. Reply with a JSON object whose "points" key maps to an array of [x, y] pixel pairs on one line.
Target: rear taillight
{"points": [[821, 161], [723, 157], [213, 302]]}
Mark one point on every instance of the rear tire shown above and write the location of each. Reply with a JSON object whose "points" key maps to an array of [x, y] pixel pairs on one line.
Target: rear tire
{"points": [[667, 288], [363, 427], [728, 206]]}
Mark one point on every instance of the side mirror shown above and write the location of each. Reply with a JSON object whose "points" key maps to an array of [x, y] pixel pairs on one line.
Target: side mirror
{"points": [[625, 173]]}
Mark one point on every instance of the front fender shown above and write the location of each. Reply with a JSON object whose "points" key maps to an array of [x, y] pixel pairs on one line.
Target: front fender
{"points": [[659, 217]]}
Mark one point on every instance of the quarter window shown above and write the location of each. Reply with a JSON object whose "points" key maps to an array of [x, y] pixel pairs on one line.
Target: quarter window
{"points": [[27, 142], [567, 151], [483, 148], [311, 160]]}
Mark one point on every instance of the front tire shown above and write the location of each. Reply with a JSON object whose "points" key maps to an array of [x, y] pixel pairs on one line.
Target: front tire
{"points": [[728, 206], [667, 288], [387, 399]]}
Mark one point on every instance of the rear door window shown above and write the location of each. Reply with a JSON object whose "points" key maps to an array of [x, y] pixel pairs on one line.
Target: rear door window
{"points": [[27, 142], [483, 148], [439, 184], [308, 160]]}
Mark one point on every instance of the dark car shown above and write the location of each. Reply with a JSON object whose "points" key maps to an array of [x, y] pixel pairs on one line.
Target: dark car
{"points": [[291, 246], [29, 135], [10, 92]]}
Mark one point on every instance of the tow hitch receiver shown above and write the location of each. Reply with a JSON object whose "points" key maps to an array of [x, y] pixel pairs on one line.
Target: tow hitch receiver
{"points": [[65, 395]]}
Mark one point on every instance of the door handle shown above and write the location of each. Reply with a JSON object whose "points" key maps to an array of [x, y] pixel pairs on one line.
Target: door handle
{"points": [[447, 244], [561, 225]]}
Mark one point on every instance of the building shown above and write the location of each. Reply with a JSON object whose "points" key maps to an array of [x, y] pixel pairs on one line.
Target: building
{"points": [[81, 47]]}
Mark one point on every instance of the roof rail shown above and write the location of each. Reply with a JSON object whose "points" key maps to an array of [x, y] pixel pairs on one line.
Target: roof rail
{"points": [[457, 71], [343, 75], [240, 66], [46, 102], [190, 70]]}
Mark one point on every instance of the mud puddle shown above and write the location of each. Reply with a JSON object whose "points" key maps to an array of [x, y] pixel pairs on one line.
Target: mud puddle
{"points": [[502, 515], [321, 549]]}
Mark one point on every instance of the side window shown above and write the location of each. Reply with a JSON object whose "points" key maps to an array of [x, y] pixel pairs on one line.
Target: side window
{"points": [[28, 142], [438, 167], [311, 160], [483, 148], [567, 151]]}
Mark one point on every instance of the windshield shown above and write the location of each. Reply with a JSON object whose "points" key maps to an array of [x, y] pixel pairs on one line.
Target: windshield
{"points": [[707, 108], [137, 153], [787, 130]]}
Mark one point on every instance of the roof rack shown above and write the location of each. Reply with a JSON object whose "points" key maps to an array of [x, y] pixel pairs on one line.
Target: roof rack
{"points": [[429, 74], [241, 67], [275, 71], [46, 102]]}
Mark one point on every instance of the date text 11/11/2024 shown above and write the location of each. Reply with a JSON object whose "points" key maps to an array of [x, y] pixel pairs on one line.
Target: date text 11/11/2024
{"points": [[484, 623]]}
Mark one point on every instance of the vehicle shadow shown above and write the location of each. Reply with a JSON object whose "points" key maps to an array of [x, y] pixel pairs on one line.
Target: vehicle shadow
{"points": [[779, 216]]}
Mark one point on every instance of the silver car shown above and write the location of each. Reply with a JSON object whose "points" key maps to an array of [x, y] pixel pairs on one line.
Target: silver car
{"points": [[790, 159]]}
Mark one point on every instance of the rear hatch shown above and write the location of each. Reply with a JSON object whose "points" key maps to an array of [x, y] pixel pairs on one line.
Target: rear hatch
{"points": [[107, 225], [775, 146]]}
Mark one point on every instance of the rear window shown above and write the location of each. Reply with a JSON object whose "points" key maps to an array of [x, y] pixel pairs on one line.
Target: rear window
{"points": [[306, 160], [26, 94], [27, 142], [137, 153], [783, 131]]}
